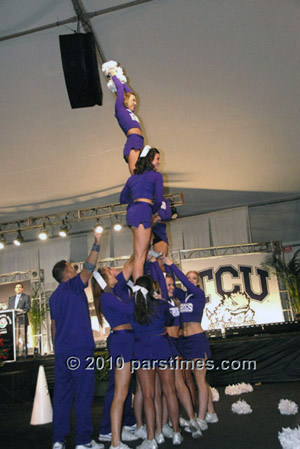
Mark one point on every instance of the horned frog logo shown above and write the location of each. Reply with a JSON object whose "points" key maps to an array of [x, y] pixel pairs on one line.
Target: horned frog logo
{"points": [[233, 310]]}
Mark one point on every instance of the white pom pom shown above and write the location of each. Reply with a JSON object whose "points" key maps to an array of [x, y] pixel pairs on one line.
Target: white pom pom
{"points": [[289, 438], [241, 408], [287, 407], [215, 394], [107, 66], [232, 390], [111, 86]]}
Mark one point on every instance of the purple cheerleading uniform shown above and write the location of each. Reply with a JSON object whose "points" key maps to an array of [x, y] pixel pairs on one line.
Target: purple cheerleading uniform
{"points": [[127, 119], [191, 310], [146, 185], [73, 338], [151, 342], [120, 344], [174, 317], [160, 228]]}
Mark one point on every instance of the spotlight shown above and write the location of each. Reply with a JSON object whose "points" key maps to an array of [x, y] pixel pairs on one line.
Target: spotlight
{"points": [[64, 230], [99, 227], [117, 226], [43, 235], [2, 241], [19, 239]]}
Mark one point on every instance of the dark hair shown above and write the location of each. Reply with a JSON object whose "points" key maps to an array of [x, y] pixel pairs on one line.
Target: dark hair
{"points": [[97, 293], [144, 306], [168, 275], [19, 283], [58, 270], [145, 163]]}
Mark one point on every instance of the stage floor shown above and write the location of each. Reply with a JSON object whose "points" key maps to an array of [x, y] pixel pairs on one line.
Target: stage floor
{"points": [[258, 430]]}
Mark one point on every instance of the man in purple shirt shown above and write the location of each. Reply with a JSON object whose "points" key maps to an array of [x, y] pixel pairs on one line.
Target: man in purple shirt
{"points": [[74, 347]]}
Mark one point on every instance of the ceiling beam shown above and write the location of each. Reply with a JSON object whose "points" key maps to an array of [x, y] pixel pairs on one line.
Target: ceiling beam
{"points": [[73, 19]]}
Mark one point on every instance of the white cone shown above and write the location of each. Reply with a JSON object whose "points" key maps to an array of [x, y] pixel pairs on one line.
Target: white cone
{"points": [[42, 408]]}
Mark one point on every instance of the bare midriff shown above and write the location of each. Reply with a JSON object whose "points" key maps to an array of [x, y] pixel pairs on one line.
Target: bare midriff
{"points": [[134, 131], [144, 200], [122, 327], [191, 328], [173, 331]]}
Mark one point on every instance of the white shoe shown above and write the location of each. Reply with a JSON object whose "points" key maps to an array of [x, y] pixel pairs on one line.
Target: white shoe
{"points": [[91, 445], [197, 434], [159, 438], [167, 431], [126, 435], [141, 432], [58, 445], [177, 438], [105, 436], [148, 444], [202, 424], [120, 446], [192, 426], [211, 417], [183, 422], [131, 428]]}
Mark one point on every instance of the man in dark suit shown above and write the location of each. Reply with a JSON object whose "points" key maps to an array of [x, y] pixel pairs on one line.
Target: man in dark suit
{"points": [[21, 301]]}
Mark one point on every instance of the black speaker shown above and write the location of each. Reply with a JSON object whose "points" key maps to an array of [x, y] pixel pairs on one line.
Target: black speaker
{"points": [[80, 67]]}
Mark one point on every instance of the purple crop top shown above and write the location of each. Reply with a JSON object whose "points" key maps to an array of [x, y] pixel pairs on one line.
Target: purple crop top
{"points": [[157, 275], [115, 311], [126, 118], [156, 326], [191, 307], [146, 185]]}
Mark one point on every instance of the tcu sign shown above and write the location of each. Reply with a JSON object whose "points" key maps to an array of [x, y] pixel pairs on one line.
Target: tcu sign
{"points": [[243, 274], [239, 291]]}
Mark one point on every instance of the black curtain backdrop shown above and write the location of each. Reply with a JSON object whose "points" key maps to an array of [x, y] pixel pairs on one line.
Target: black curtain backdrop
{"points": [[277, 359]]}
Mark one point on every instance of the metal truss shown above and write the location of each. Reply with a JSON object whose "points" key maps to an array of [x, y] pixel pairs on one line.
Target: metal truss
{"points": [[75, 216]]}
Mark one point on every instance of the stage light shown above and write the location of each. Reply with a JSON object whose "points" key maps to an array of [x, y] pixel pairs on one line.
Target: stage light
{"points": [[117, 226], [64, 230], [2, 241], [43, 235], [19, 239], [99, 227]]}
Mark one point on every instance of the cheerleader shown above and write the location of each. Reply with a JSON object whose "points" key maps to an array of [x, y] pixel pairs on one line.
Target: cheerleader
{"points": [[143, 192], [182, 391], [151, 345], [128, 121], [195, 343], [108, 289]]}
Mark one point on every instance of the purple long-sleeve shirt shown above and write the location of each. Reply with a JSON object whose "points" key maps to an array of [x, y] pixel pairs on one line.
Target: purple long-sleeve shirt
{"points": [[146, 185], [126, 118]]}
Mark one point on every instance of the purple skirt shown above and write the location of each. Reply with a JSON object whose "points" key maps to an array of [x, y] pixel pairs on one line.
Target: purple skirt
{"points": [[138, 213], [133, 142], [160, 233], [174, 346], [196, 347], [152, 347], [121, 344]]}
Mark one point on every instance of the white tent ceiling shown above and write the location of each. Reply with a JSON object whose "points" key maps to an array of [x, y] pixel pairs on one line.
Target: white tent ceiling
{"points": [[218, 86]]}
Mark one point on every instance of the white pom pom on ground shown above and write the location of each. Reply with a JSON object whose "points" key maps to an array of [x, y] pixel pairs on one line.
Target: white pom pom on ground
{"points": [[289, 438], [287, 407], [241, 388], [241, 407]]}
